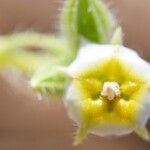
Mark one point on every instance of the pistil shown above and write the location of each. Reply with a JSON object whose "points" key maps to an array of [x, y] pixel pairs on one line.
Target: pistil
{"points": [[110, 90]]}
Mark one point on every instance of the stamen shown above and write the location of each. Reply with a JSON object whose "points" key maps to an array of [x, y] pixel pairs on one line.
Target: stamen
{"points": [[111, 90]]}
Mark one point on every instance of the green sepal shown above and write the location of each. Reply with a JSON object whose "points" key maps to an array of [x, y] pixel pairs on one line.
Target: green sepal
{"points": [[117, 37], [86, 19], [49, 79], [80, 135], [143, 133], [69, 24], [94, 21]]}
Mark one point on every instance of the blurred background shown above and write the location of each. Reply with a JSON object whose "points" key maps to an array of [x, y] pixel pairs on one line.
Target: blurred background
{"points": [[27, 123]]}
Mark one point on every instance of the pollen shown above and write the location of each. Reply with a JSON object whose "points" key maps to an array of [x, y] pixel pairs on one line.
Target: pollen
{"points": [[110, 90]]}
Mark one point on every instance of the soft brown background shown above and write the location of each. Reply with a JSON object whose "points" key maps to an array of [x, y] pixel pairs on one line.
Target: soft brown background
{"points": [[29, 124]]}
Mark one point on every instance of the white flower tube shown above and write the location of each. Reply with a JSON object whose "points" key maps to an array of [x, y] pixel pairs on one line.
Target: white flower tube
{"points": [[109, 92]]}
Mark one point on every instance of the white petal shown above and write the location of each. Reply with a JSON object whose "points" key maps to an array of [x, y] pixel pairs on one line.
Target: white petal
{"points": [[72, 103], [92, 54], [111, 130]]}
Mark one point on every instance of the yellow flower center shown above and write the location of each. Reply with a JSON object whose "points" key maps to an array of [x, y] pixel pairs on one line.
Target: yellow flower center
{"points": [[110, 96]]}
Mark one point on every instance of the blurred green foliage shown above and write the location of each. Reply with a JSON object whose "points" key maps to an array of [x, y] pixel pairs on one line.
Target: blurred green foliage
{"points": [[42, 55]]}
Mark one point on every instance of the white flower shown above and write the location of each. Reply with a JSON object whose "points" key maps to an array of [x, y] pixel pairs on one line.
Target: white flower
{"points": [[109, 91]]}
